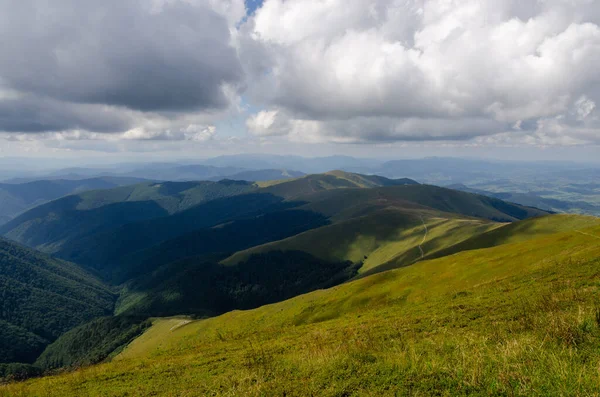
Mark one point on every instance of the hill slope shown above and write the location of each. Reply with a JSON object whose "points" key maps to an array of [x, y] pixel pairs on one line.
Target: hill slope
{"points": [[113, 230], [535, 200], [329, 181], [263, 175], [379, 237], [51, 225], [17, 198], [41, 299], [425, 329], [343, 204], [136, 244]]}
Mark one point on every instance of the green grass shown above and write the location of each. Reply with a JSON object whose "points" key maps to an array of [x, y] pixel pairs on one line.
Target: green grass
{"points": [[523, 231], [521, 318], [442, 233], [383, 239]]}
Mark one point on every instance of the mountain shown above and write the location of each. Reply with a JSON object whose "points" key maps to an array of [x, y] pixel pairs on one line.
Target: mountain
{"points": [[304, 164], [207, 248], [368, 229], [192, 172], [55, 225], [141, 171], [464, 170], [16, 198], [535, 200], [325, 255], [381, 240], [50, 226], [263, 175], [330, 181], [563, 186], [104, 229], [555, 186], [515, 315], [42, 298], [108, 247], [349, 202]]}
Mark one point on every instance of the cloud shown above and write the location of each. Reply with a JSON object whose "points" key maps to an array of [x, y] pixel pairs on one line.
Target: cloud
{"points": [[363, 71], [31, 114], [391, 70], [106, 66]]}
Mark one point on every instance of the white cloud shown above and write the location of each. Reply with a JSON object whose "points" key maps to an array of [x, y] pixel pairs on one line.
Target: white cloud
{"points": [[361, 71], [584, 107], [191, 132], [425, 69]]}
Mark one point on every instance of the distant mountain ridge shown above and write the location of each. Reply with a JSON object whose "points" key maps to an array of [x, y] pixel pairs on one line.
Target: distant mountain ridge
{"points": [[83, 223], [76, 216], [562, 181], [263, 175], [17, 198], [532, 200]]}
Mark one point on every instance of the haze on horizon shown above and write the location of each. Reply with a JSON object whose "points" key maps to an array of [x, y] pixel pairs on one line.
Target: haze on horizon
{"points": [[85, 82]]}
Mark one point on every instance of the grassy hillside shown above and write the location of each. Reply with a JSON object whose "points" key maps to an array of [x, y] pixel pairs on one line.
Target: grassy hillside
{"points": [[50, 226], [41, 299], [519, 318], [343, 204], [163, 243], [110, 249], [224, 239], [390, 234], [378, 238], [69, 227], [16, 198], [522, 231], [291, 189]]}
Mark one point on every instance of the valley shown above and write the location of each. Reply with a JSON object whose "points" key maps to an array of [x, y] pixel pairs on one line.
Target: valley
{"points": [[424, 328], [255, 287]]}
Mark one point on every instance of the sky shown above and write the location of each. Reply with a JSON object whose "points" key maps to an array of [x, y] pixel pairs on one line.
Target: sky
{"points": [[159, 79]]}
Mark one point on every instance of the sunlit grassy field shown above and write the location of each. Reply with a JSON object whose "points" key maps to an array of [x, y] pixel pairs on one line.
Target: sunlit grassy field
{"points": [[519, 318], [384, 239]]}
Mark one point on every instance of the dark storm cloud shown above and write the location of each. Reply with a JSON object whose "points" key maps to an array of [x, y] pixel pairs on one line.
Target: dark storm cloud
{"points": [[31, 114], [127, 54]]}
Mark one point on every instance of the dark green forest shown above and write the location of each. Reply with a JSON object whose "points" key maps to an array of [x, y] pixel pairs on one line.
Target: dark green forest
{"points": [[41, 298], [92, 343], [205, 288]]}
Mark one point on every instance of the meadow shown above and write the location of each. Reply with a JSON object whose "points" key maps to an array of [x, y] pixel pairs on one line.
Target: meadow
{"points": [[519, 317]]}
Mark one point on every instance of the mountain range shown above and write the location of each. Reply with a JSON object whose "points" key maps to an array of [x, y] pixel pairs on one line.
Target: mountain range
{"points": [[179, 272], [205, 248], [557, 186]]}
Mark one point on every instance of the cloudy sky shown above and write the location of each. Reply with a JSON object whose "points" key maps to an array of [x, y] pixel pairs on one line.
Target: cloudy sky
{"points": [[394, 78]]}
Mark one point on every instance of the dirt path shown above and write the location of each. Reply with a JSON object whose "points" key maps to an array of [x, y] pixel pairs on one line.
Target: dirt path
{"points": [[424, 238], [587, 234], [180, 324]]}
